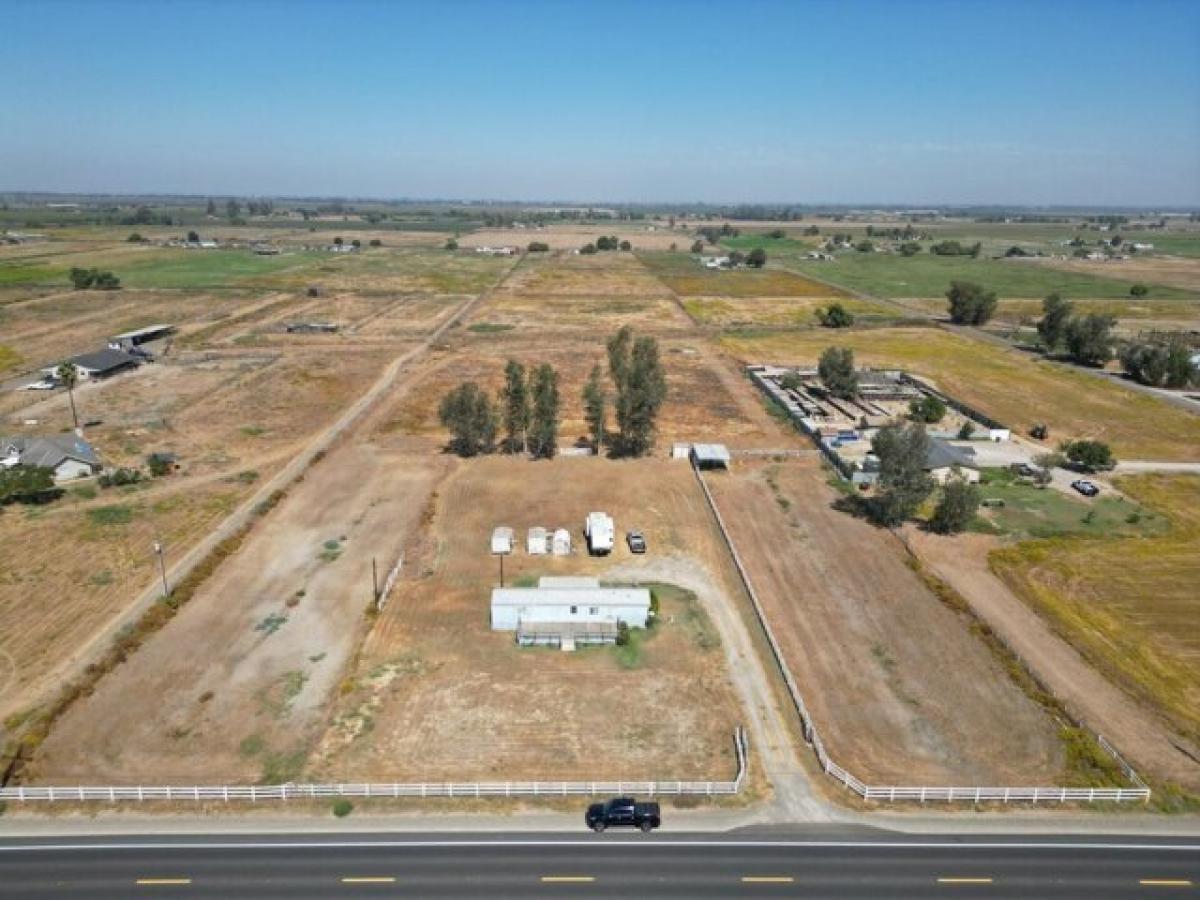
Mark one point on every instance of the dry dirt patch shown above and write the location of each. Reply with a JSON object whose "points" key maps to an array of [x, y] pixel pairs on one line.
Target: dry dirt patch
{"points": [[236, 686], [901, 691], [438, 695]]}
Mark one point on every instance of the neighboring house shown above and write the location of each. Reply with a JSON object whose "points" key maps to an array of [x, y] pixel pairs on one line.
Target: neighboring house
{"points": [[944, 462], [101, 364], [68, 455], [568, 611]]}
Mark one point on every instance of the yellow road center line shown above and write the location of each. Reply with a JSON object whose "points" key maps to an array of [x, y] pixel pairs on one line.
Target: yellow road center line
{"points": [[767, 879], [567, 879], [951, 880], [1165, 882], [368, 879], [150, 882]]}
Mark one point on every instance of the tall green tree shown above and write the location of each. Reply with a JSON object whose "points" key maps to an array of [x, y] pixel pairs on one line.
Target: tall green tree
{"points": [[515, 399], [1056, 312], [970, 303], [903, 482], [69, 376], [836, 369], [595, 410], [641, 387], [1089, 339], [956, 508], [468, 413], [543, 428]]}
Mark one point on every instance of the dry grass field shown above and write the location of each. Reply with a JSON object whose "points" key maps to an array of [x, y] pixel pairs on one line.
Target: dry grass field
{"points": [[1130, 605], [437, 695], [1007, 384], [1132, 314], [743, 312], [872, 648], [237, 686], [572, 237], [613, 273], [1174, 271]]}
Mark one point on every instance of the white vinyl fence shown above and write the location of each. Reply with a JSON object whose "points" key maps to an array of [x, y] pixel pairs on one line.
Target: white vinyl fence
{"points": [[256, 793], [948, 794]]}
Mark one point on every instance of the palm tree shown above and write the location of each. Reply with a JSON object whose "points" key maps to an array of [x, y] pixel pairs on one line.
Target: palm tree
{"points": [[69, 376]]}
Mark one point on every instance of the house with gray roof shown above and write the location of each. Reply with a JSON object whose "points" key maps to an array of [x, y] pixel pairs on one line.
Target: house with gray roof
{"points": [[101, 364], [69, 455], [944, 461]]}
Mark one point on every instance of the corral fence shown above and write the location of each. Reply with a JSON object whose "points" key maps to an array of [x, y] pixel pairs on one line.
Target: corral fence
{"points": [[895, 792], [419, 790], [843, 468]]}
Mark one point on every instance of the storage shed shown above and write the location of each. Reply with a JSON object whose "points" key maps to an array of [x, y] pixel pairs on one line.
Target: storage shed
{"points": [[561, 544], [502, 539], [710, 456], [536, 541]]}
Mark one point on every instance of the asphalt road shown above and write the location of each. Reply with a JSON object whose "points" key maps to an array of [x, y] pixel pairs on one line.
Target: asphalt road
{"points": [[726, 865]]}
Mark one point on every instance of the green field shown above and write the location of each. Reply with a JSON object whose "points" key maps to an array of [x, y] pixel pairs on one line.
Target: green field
{"points": [[925, 275], [772, 245], [209, 269]]}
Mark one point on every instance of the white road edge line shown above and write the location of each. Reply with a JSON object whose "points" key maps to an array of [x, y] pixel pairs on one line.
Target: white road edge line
{"points": [[475, 843]]}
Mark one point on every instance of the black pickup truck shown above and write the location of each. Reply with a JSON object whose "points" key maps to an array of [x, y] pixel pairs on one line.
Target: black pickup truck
{"points": [[623, 812]]}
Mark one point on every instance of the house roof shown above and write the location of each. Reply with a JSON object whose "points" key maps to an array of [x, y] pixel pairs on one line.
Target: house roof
{"points": [[943, 456], [50, 451], [103, 360], [571, 596]]}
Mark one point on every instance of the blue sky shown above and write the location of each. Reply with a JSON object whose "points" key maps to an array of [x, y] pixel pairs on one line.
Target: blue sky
{"points": [[926, 102]]}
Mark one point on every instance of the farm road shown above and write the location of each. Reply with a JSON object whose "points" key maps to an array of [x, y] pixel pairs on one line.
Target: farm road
{"points": [[93, 648]]}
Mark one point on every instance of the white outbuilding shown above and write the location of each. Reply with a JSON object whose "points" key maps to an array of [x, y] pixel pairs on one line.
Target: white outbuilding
{"points": [[561, 544], [502, 539], [536, 541]]}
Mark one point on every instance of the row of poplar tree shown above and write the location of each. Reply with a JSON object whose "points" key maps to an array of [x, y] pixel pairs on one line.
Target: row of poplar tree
{"points": [[528, 406]]}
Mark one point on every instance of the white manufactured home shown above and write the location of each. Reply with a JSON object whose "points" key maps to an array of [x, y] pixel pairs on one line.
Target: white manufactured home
{"points": [[567, 611]]}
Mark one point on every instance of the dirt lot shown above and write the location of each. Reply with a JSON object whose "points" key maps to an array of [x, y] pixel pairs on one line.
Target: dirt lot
{"points": [[236, 686], [900, 689], [706, 395], [436, 694]]}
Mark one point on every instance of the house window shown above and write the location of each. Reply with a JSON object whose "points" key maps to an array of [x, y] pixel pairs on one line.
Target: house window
{"points": [[574, 609], [593, 610]]}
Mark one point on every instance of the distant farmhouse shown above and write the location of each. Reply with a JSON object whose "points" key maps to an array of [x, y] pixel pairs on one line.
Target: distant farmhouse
{"points": [[101, 364], [69, 456]]}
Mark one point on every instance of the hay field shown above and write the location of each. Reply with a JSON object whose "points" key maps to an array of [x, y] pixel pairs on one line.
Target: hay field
{"points": [[573, 236], [437, 695], [1007, 384], [740, 312], [1130, 605], [382, 271], [602, 274], [1178, 272]]}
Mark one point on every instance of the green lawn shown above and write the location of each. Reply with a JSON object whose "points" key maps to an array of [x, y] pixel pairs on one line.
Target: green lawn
{"points": [[208, 268], [1033, 512], [925, 275]]}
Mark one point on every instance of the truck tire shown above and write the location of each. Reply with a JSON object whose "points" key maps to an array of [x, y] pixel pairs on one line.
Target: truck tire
{"points": [[598, 828], [647, 826]]}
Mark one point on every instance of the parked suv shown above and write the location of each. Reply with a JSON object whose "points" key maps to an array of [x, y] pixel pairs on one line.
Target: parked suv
{"points": [[1085, 487], [623, 812], [636, 541]]}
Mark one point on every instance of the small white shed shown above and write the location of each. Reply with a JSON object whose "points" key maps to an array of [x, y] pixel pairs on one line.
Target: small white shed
{"points": [[502, 539], [561, 544], [681, 451], [536, 541]]}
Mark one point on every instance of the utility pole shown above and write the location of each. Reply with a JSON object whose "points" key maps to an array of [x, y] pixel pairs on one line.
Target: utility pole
{"points": [[162, 567]]}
